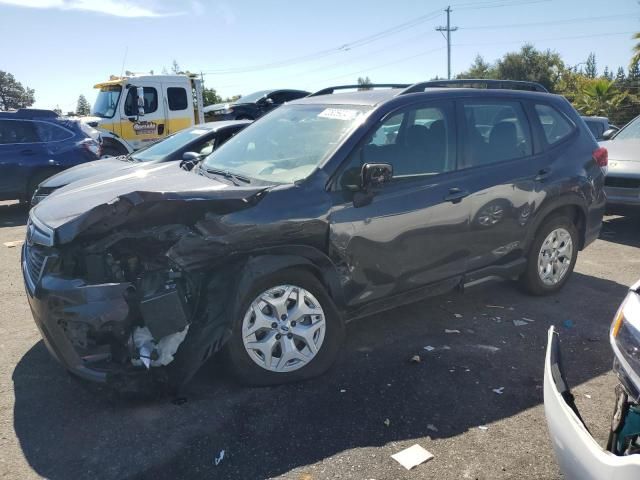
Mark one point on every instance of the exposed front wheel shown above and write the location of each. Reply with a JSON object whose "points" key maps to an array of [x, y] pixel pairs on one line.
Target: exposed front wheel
{"points": [[552, 256], [288, 330]]}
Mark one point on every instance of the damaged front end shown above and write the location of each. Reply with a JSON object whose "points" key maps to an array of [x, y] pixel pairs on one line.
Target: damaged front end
{"points": [[114, 308]]}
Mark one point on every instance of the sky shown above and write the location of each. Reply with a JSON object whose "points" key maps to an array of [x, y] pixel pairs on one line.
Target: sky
{"points": [[61, 48]]}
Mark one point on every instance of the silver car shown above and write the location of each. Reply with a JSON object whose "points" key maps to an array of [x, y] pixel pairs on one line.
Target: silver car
{"points": [[622, 184], [579, 455]]}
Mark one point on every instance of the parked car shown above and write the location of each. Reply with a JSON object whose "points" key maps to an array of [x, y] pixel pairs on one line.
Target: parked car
{"points": [[600, 125], [197, 141], [35, 144], [306, 219], [253, 106], [622, 183], [579, 455]]}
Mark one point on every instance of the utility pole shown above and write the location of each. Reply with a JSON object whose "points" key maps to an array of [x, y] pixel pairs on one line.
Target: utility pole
{"points": [[448, 29]]}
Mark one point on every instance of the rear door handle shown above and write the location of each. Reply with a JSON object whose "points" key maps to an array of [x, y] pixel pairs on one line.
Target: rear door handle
{"points": [[542, 174], [456, 194]]}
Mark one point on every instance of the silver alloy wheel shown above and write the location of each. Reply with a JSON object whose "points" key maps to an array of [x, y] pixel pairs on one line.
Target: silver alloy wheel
{"points": [[555, 256], [283, 328]]}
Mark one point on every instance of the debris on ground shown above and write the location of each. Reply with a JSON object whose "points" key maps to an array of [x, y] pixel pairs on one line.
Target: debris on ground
{"points": [[483, 428], [446, 347], [520, 323], [15, 243], [499, 390], [446, 330], [488, 348], [457, 315], [412, 456], [219, 458], [494, 306], [568, 324], [415, 359], [343, 390], [528, 319], [429, 348], [387, 422], [587, 396], [432, 427]]}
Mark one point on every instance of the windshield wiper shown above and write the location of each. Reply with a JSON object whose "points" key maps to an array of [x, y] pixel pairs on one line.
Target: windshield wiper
{"points": [[234, 177]]}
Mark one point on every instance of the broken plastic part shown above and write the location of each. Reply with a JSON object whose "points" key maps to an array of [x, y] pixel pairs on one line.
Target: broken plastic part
{"points": [[155, 354]]}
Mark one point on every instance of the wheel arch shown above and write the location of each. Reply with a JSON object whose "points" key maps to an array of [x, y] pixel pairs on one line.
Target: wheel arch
{"points": [[115, 143], [570, 205]]}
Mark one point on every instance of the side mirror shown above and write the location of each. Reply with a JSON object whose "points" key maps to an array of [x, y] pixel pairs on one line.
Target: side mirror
{"points": [[608, 134], [189, 160], [140, 95], [375, 174]]}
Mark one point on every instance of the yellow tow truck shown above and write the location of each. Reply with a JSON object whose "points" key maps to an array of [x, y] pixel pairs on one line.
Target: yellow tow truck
{"points": [[135, 110]]}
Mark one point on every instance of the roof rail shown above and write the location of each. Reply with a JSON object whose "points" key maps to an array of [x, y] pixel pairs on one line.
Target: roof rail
{"points": [[370, 86], [33, 113], [477, 83]]}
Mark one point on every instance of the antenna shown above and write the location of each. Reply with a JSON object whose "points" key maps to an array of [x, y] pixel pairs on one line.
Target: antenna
{"points": [[124, 59]]}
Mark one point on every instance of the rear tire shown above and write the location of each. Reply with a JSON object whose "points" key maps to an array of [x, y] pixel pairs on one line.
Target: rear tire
{"points": [[266, 363], [552, 256]]}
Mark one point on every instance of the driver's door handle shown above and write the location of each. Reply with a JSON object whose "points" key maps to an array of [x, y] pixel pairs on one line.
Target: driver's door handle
{"points": [[456, 194]]}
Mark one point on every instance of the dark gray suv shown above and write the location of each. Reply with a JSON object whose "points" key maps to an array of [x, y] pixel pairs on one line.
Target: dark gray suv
{"points": [[327, 209]]}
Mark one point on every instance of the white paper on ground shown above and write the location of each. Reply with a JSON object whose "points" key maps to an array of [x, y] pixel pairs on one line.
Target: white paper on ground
{"points": [[412, 456]]}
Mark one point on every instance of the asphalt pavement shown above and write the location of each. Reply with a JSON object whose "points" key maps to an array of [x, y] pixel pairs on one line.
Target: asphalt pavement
{"points": [[347, 423]]}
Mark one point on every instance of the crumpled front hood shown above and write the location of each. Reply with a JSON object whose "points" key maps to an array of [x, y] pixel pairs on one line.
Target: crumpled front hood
{"points": [[106, 201], [86, 170]]}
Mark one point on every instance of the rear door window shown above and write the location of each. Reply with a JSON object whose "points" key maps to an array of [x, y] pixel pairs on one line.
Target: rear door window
{"points": [[555, 125], [177, 98], [496, 131], [17, 131]]}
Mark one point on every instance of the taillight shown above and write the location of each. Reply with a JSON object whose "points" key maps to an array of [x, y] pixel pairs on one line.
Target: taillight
{"points": [[601, 156], [92, 147]]}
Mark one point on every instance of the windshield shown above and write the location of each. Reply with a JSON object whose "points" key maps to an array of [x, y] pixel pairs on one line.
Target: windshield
{"points": [[164, 148], [253, 97], [630, 131], [107, 101], [287, 144]]}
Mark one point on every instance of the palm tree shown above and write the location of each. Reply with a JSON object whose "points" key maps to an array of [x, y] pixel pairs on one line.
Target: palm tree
{"points": [[636, 50], [600, 97]]}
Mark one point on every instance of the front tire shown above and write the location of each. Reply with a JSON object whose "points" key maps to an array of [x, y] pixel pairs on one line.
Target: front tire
{"points": [[552, 256], [287, 329]]}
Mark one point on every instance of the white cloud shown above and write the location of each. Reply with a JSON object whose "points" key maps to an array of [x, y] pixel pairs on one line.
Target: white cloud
{"points": [[117, 8]]}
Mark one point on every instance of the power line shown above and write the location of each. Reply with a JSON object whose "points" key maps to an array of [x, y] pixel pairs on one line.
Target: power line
{"points": [[547, 23], [610, 34]]}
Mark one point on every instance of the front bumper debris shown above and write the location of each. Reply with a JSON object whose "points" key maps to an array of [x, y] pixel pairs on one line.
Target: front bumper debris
{"points": [[579, 455]]}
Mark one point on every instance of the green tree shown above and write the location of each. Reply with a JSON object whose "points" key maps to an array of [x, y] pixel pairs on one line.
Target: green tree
{"points": [[83, 107], [591, 67], [636, 50], [210, 96], [479, 69], [12, 94], [532, 65], [620, 76], [607, 74], [364, 83], [600, 97]]}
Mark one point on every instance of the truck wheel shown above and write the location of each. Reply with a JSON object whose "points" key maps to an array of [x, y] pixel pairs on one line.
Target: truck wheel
{"points": [[287, 329], [552, 256]]}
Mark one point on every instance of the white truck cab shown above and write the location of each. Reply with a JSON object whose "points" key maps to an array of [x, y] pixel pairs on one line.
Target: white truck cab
{"points": [[134, 110]]}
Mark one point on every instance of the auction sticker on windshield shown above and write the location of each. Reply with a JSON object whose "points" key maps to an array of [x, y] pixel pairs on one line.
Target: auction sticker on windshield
{"points": [[339, 113]]}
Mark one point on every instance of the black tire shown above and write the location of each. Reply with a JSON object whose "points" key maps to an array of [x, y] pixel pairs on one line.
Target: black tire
{"points": [[246, 371], [112, 151], [530, 279]]}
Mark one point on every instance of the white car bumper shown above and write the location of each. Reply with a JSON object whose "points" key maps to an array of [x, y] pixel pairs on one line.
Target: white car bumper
{"points": [[580, 457]]}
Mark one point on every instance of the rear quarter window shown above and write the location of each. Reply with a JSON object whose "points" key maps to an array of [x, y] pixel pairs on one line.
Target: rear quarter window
{"points": [[555, 125], [48, 132]]}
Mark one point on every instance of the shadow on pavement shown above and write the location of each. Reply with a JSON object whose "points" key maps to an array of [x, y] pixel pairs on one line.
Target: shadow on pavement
{"points": [[13, 214], [69, 430]]}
